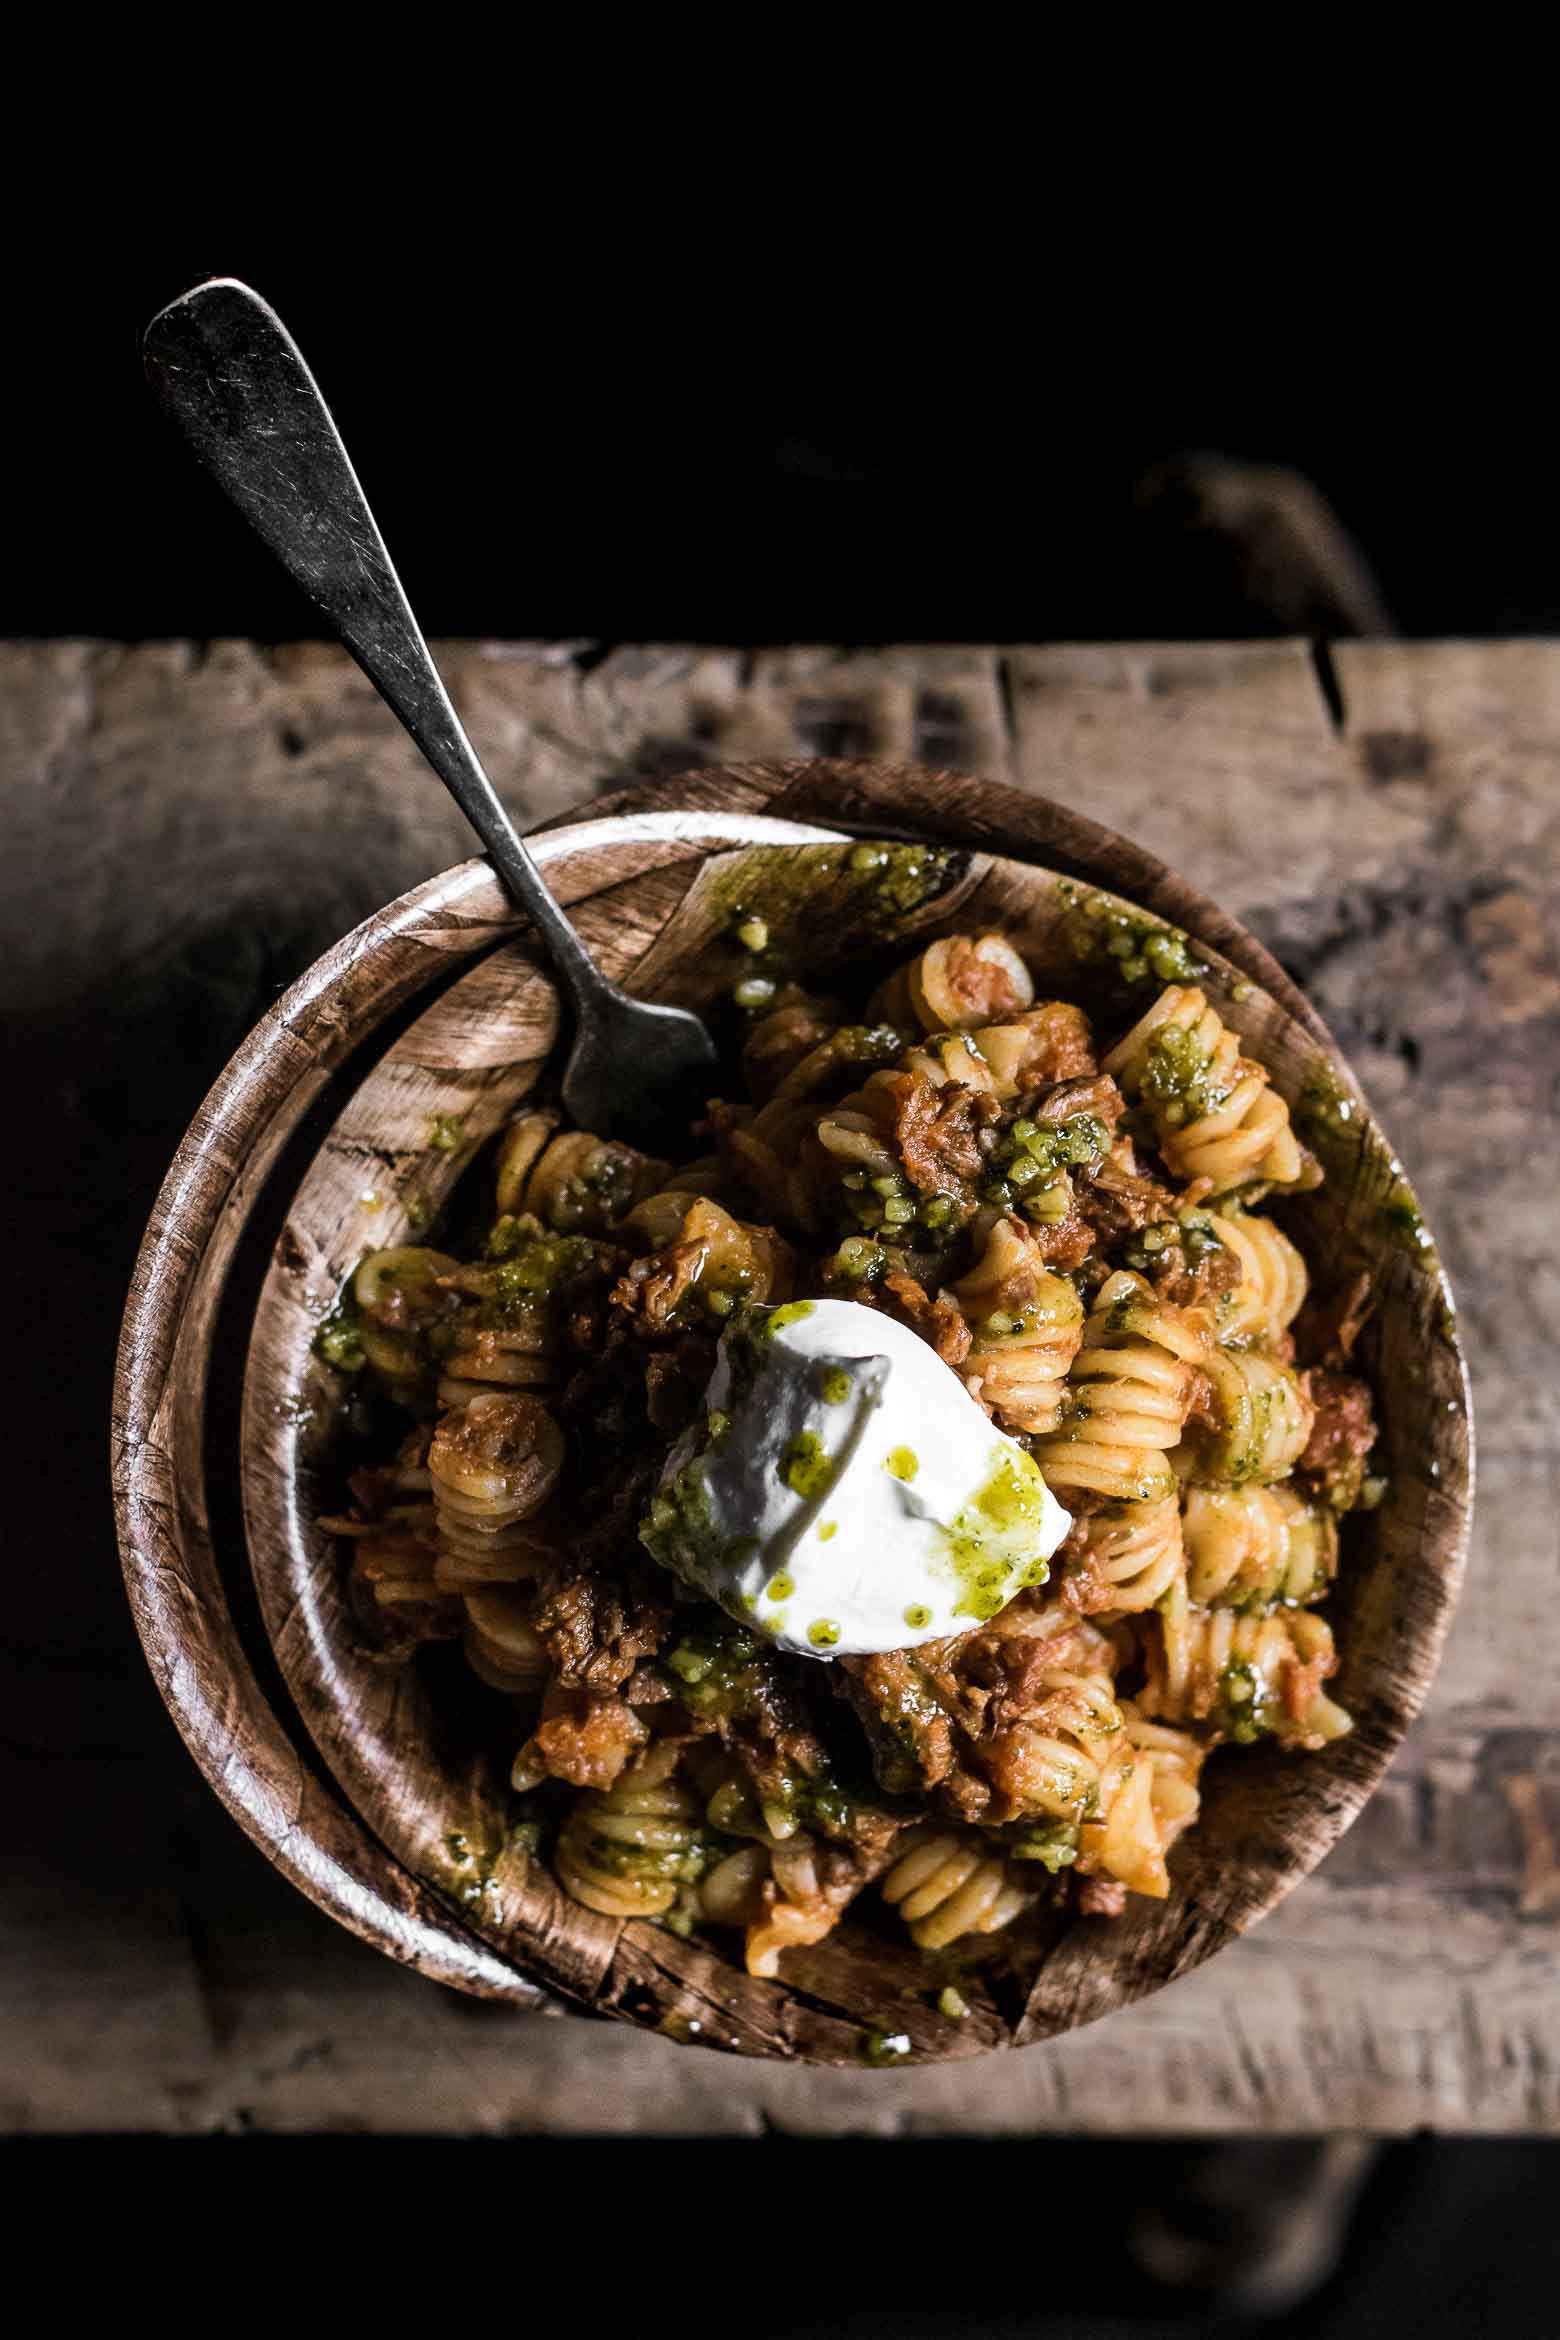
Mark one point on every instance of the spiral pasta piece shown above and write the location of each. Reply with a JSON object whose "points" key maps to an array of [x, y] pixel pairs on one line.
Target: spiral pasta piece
{"points": [[1131, 1556], [574, 1182], [1176, 1759], [521, 1354], [396, 1558], [1148, 1797], [493, 1462], [1253, 1546], [1129, 1389], [1261, 1422], [697, 1258], [801, 1911], [395, 1552], [775, 1891], [793, 1028], [769, 1157], [956, 1056], [956, 984], [502, 1647], [1251, 1676], [627, 1850], [404, 1299], [701, 1176], [1215, 1111], [1273, 1280], [1053, 1753], [946, 1886], [1026, 1324]]}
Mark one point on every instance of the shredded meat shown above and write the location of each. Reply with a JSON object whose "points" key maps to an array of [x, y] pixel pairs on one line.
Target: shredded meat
{"points": [[1075, 1567], [1064, 1099], [939, 1131], [939, 1322], [1341, 1436], [1192, 1285], [584, 1738], [1301, 1683], [960, 1720], [983, 987], [1062, 1048], [1101, 1896], [795, 1025], [597, 1625], [1067, 1242], [899, 1698], [650, 1289], [1118, 1201]]}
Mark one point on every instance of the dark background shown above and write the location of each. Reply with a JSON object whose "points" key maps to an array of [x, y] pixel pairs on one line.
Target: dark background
{"points": [[806, 430], [798, 430]]}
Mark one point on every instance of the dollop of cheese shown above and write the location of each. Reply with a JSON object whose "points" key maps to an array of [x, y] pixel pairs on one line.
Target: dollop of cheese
{"points": [[844, 1493]]}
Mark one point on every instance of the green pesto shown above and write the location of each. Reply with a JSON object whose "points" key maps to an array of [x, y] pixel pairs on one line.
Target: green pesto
{"points": [[717, 1667], [918, 1616], [754, 991], [779, 1588], [1242, 1710], [833, 1384], [532, 1268], [793, 1312], [1053, 1843], [823, 1633], [952, 2003], [446, 1131], [903, 877], [1243, 1442], [1011, 1500], [753, 934], [338, 1341], [1404, 1222], [678, 1529], [1127, 943], [645, 1866], [1026, 1167], [1177, 1080], [827, 1530], [883, 2048], [1192, 1230], [858, 1261], [717, 1430], [473, 1879], [805, 1467], [600, 1191], [902, 1463], [1327, 1110]]}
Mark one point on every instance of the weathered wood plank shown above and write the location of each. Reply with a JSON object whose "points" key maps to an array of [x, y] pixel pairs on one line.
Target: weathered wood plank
{"points": [[1403, 862]]}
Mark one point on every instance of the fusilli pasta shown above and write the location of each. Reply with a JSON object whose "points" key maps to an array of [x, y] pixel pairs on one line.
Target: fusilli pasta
{"points": [[1130, 1387], [1215, 1111], [960, 1159]]}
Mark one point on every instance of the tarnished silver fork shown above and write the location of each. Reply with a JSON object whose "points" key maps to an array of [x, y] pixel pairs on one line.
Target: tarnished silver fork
{"points": [[231, 376]]}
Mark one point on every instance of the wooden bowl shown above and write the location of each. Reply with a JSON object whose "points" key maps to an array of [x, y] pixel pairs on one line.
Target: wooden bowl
{"points": [[388, 1805]]}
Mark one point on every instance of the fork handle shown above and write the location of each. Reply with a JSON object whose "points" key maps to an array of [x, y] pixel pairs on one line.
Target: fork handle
{"points": [[227, 371]]}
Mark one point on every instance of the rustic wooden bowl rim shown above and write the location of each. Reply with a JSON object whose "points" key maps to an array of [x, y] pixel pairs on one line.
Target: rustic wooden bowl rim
{"points": [[253, 1757]]}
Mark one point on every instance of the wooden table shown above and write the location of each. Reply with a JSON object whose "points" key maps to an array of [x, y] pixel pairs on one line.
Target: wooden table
{"points": [[188, 825]]}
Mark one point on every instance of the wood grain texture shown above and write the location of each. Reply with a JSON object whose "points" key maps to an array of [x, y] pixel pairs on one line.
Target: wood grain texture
{"points": [[1407, 854]]}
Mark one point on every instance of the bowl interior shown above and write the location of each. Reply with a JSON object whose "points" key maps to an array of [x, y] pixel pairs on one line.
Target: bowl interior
{"points": [[423, 1751]]}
